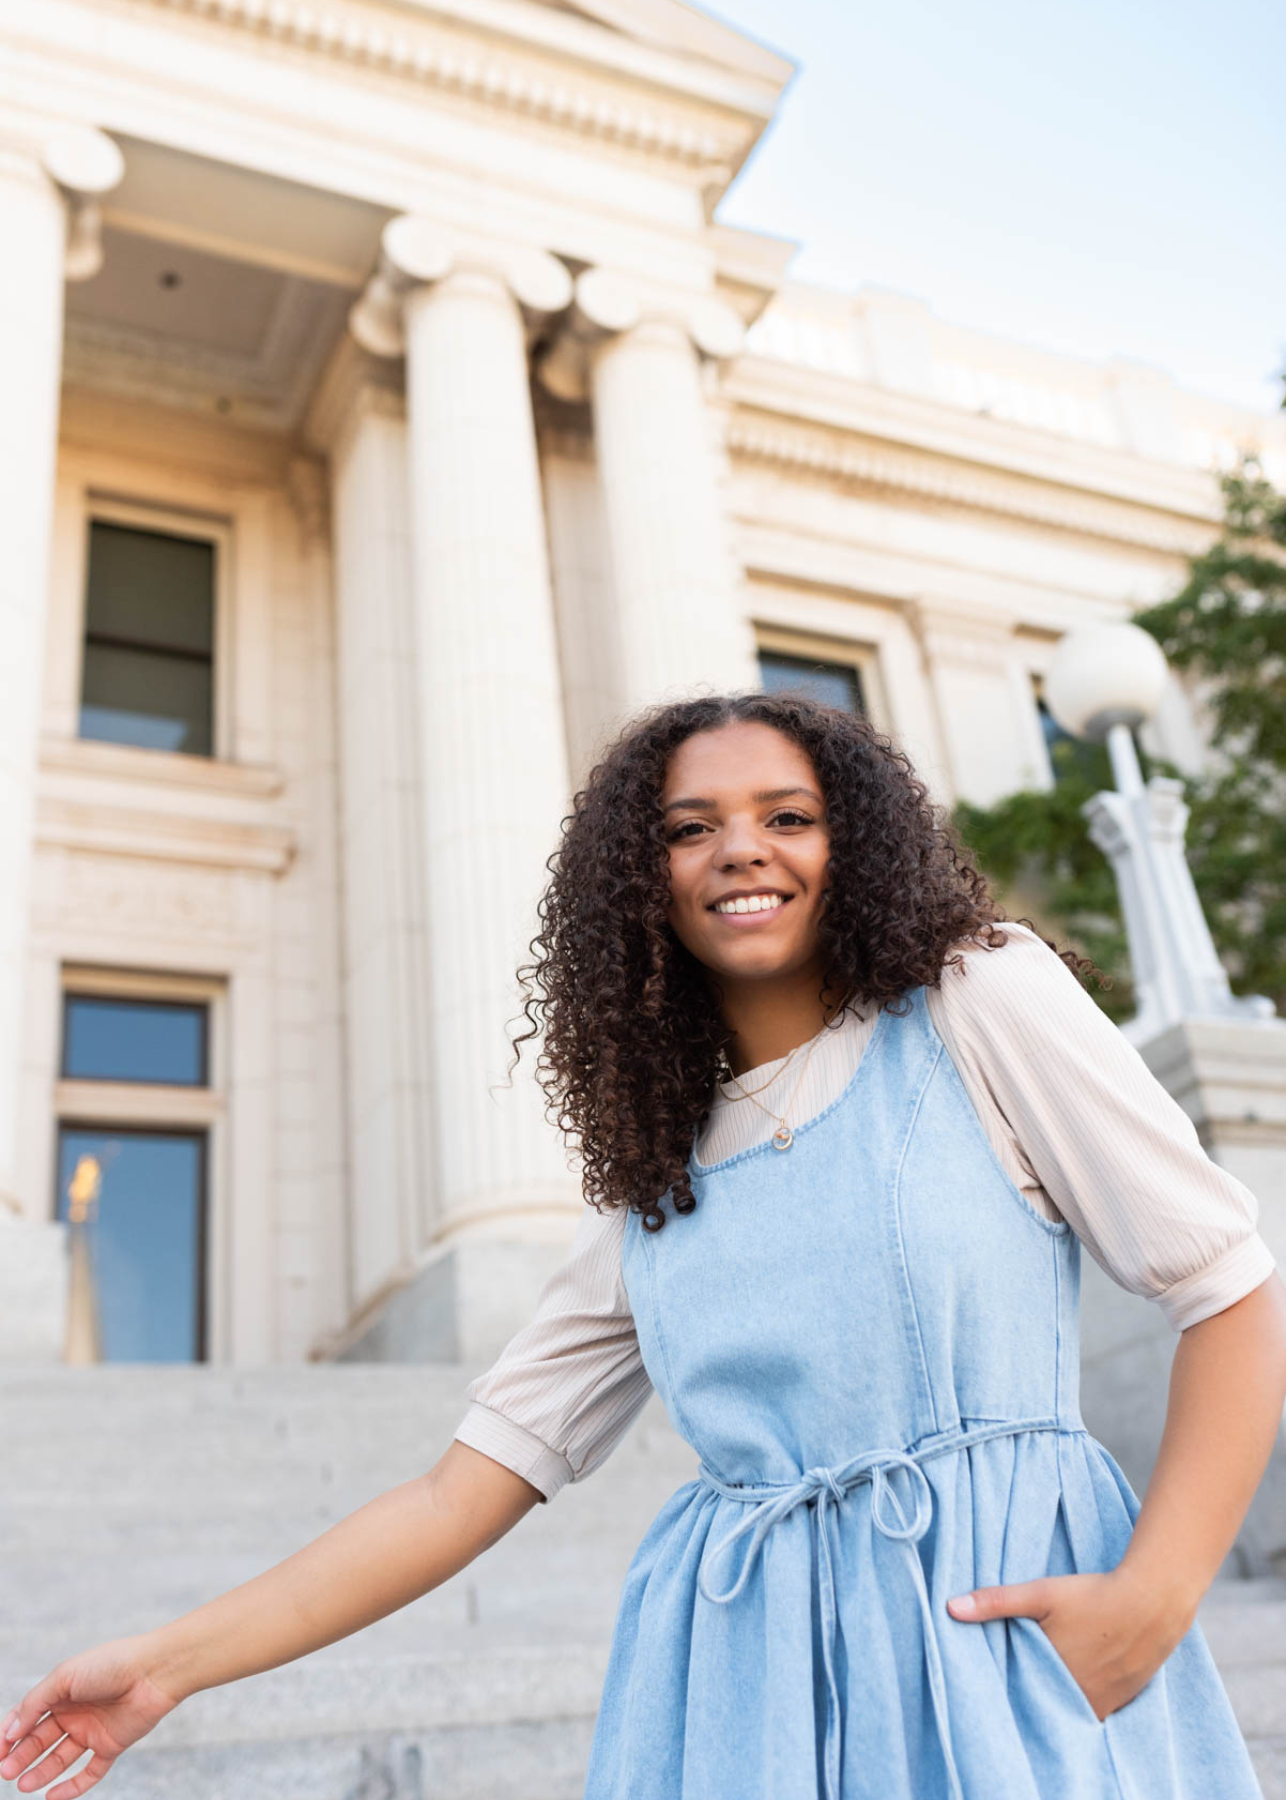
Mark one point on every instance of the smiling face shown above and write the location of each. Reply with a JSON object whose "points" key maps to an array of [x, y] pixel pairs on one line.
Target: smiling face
{"points": [[745, 824]]}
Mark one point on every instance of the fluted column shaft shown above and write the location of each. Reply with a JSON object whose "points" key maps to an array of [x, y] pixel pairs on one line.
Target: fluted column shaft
{"points": [[678, 620], [490, 717], [33, 230]]}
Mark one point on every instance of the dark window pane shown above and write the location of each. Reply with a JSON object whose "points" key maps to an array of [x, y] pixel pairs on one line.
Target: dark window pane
{"points": [[837, 684], [150, 588], [143, 697], [1054, 733], [134, 1040], [139, 1266]]}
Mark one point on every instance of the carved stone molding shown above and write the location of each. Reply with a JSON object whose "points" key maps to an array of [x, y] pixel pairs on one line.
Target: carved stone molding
{"points": [[165, 837], [486, 77], [875, 465], [86, 164], [969, 639], [606, 304], [415, 252]]}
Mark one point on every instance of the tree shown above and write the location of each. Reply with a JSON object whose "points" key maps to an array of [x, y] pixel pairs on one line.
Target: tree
{"points": [[1225, 628]]}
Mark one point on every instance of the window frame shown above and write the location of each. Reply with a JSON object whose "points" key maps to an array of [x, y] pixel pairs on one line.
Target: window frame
{"points": [[844, 653], [166, 521]]}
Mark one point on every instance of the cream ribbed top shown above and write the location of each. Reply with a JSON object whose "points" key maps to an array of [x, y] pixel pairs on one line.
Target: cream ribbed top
{"points": [[1077, 1119]]}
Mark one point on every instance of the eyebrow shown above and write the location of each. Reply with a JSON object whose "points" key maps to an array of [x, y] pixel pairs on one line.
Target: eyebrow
{"points": [[763, 798]]}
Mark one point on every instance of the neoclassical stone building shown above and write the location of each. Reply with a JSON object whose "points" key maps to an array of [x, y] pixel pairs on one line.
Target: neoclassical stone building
{"points": [[386, 416]]}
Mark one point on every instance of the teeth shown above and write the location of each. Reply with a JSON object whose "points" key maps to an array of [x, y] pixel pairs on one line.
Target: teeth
{"points": [[752, 903]]}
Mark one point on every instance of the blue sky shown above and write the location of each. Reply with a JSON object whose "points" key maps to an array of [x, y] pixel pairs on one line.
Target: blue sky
{"points": [[1104, 179]]}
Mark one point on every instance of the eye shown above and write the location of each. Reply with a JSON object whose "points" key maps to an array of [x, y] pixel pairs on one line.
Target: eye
{"points": [[692, 825], [790, 814]]}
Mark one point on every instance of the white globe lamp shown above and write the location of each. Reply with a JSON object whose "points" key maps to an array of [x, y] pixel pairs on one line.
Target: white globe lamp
{"points": [[1105, 675]]}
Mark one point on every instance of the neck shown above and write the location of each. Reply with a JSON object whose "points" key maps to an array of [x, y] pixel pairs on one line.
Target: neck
{"points": [[769, 1019]]}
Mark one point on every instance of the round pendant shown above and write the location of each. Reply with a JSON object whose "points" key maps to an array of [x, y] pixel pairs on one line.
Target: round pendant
{"points": [[783, 1138]]}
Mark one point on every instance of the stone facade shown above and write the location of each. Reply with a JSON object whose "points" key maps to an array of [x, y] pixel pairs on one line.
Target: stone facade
{"points": [[418, 314]]}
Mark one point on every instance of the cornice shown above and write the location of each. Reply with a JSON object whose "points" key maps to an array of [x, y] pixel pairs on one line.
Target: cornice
{"points": [[164, 837], [879, 466], [847, 406], [94, 797], [198, 775], [488, 75]]}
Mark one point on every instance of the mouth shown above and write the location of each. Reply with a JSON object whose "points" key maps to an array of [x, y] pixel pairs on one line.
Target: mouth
{"points": [[743, 910]]}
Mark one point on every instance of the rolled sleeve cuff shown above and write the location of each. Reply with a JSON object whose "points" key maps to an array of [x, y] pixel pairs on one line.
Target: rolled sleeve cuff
{"points": [[515, 1447], [1207, 1291]]}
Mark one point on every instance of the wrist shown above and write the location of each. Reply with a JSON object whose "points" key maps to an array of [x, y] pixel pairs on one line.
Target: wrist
{"points": [[1165, 1600], [168, 1662]]}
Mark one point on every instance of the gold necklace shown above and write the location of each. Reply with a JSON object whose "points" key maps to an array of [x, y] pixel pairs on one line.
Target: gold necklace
{"points": [[783, 1137], [749, 1093]]}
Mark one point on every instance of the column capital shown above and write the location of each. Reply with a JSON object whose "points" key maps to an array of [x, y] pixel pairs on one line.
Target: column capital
{"points": [[608, 304], [418, 252], [82, 164], [85, 164]]}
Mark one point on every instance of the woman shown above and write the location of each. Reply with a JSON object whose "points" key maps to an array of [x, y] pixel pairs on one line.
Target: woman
{"points": [[904, 1568]]}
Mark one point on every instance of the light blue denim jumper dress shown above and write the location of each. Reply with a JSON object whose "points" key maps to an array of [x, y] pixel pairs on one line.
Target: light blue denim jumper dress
{"points": [[871, 1339]]}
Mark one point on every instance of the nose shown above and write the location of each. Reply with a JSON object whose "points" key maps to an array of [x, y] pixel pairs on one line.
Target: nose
{"points": [[743, 843]]}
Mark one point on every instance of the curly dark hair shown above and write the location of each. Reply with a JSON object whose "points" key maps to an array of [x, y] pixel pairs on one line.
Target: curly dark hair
{"points": [[633, 1035]]}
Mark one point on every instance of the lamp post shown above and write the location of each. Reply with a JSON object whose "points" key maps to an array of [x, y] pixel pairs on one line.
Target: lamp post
{"points": [[1104, 681]]}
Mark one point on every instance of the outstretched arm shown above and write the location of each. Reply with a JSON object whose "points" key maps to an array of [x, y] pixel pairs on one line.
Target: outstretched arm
{"points": [[381, 1557], [1227, 1390]]}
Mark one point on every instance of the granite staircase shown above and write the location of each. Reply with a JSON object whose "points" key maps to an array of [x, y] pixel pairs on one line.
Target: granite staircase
{"points": [[132, 1494]]}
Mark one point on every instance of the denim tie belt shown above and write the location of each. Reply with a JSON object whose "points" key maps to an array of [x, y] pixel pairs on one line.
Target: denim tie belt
{"points": [[771, 1501]]}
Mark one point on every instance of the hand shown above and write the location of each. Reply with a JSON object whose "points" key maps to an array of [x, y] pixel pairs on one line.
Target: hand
{"points": [[103, 1700], [1112, 1631]]}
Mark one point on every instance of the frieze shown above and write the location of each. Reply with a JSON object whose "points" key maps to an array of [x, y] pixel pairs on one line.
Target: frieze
{"points": [[875, 466]]}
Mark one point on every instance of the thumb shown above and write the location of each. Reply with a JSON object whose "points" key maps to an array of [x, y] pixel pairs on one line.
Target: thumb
{"points": [[33, 1707], [1026, 1598]]}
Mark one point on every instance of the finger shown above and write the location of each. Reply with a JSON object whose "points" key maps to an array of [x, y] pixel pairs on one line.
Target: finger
{"points": [[38, 1700], [1027, 1598], [28, 1748], [88, 1777], [59, 1759]]}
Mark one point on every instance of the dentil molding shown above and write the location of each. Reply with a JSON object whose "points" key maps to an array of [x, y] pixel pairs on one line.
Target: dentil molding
{"points": [[873, 464], [484, 76]]}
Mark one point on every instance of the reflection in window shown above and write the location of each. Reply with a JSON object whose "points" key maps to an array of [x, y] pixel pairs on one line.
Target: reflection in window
{"points": [[109, 1039], [148, 676], [136, 1200], [837, 684]]}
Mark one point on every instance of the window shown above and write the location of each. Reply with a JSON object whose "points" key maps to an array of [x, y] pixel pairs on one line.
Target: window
{"points": [[148, 674], [134, 1193], [835, 683], [1052, 730], [109, 1039], [138, 1269]]}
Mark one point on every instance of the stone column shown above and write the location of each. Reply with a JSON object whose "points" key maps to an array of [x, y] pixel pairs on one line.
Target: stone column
{"points": [[362, 422], [677, 621], [35, 216], [492, 764]]}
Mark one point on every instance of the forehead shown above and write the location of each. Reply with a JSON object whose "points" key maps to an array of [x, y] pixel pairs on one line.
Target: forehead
{"points": [[742, 755]]}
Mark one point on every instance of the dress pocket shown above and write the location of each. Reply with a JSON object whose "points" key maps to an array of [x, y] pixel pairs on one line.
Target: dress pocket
{"points": [[1044, 1644]]}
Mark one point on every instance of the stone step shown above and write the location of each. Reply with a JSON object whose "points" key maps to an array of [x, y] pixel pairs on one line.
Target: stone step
{"points": [[541, 1760], [132, 1495]]}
